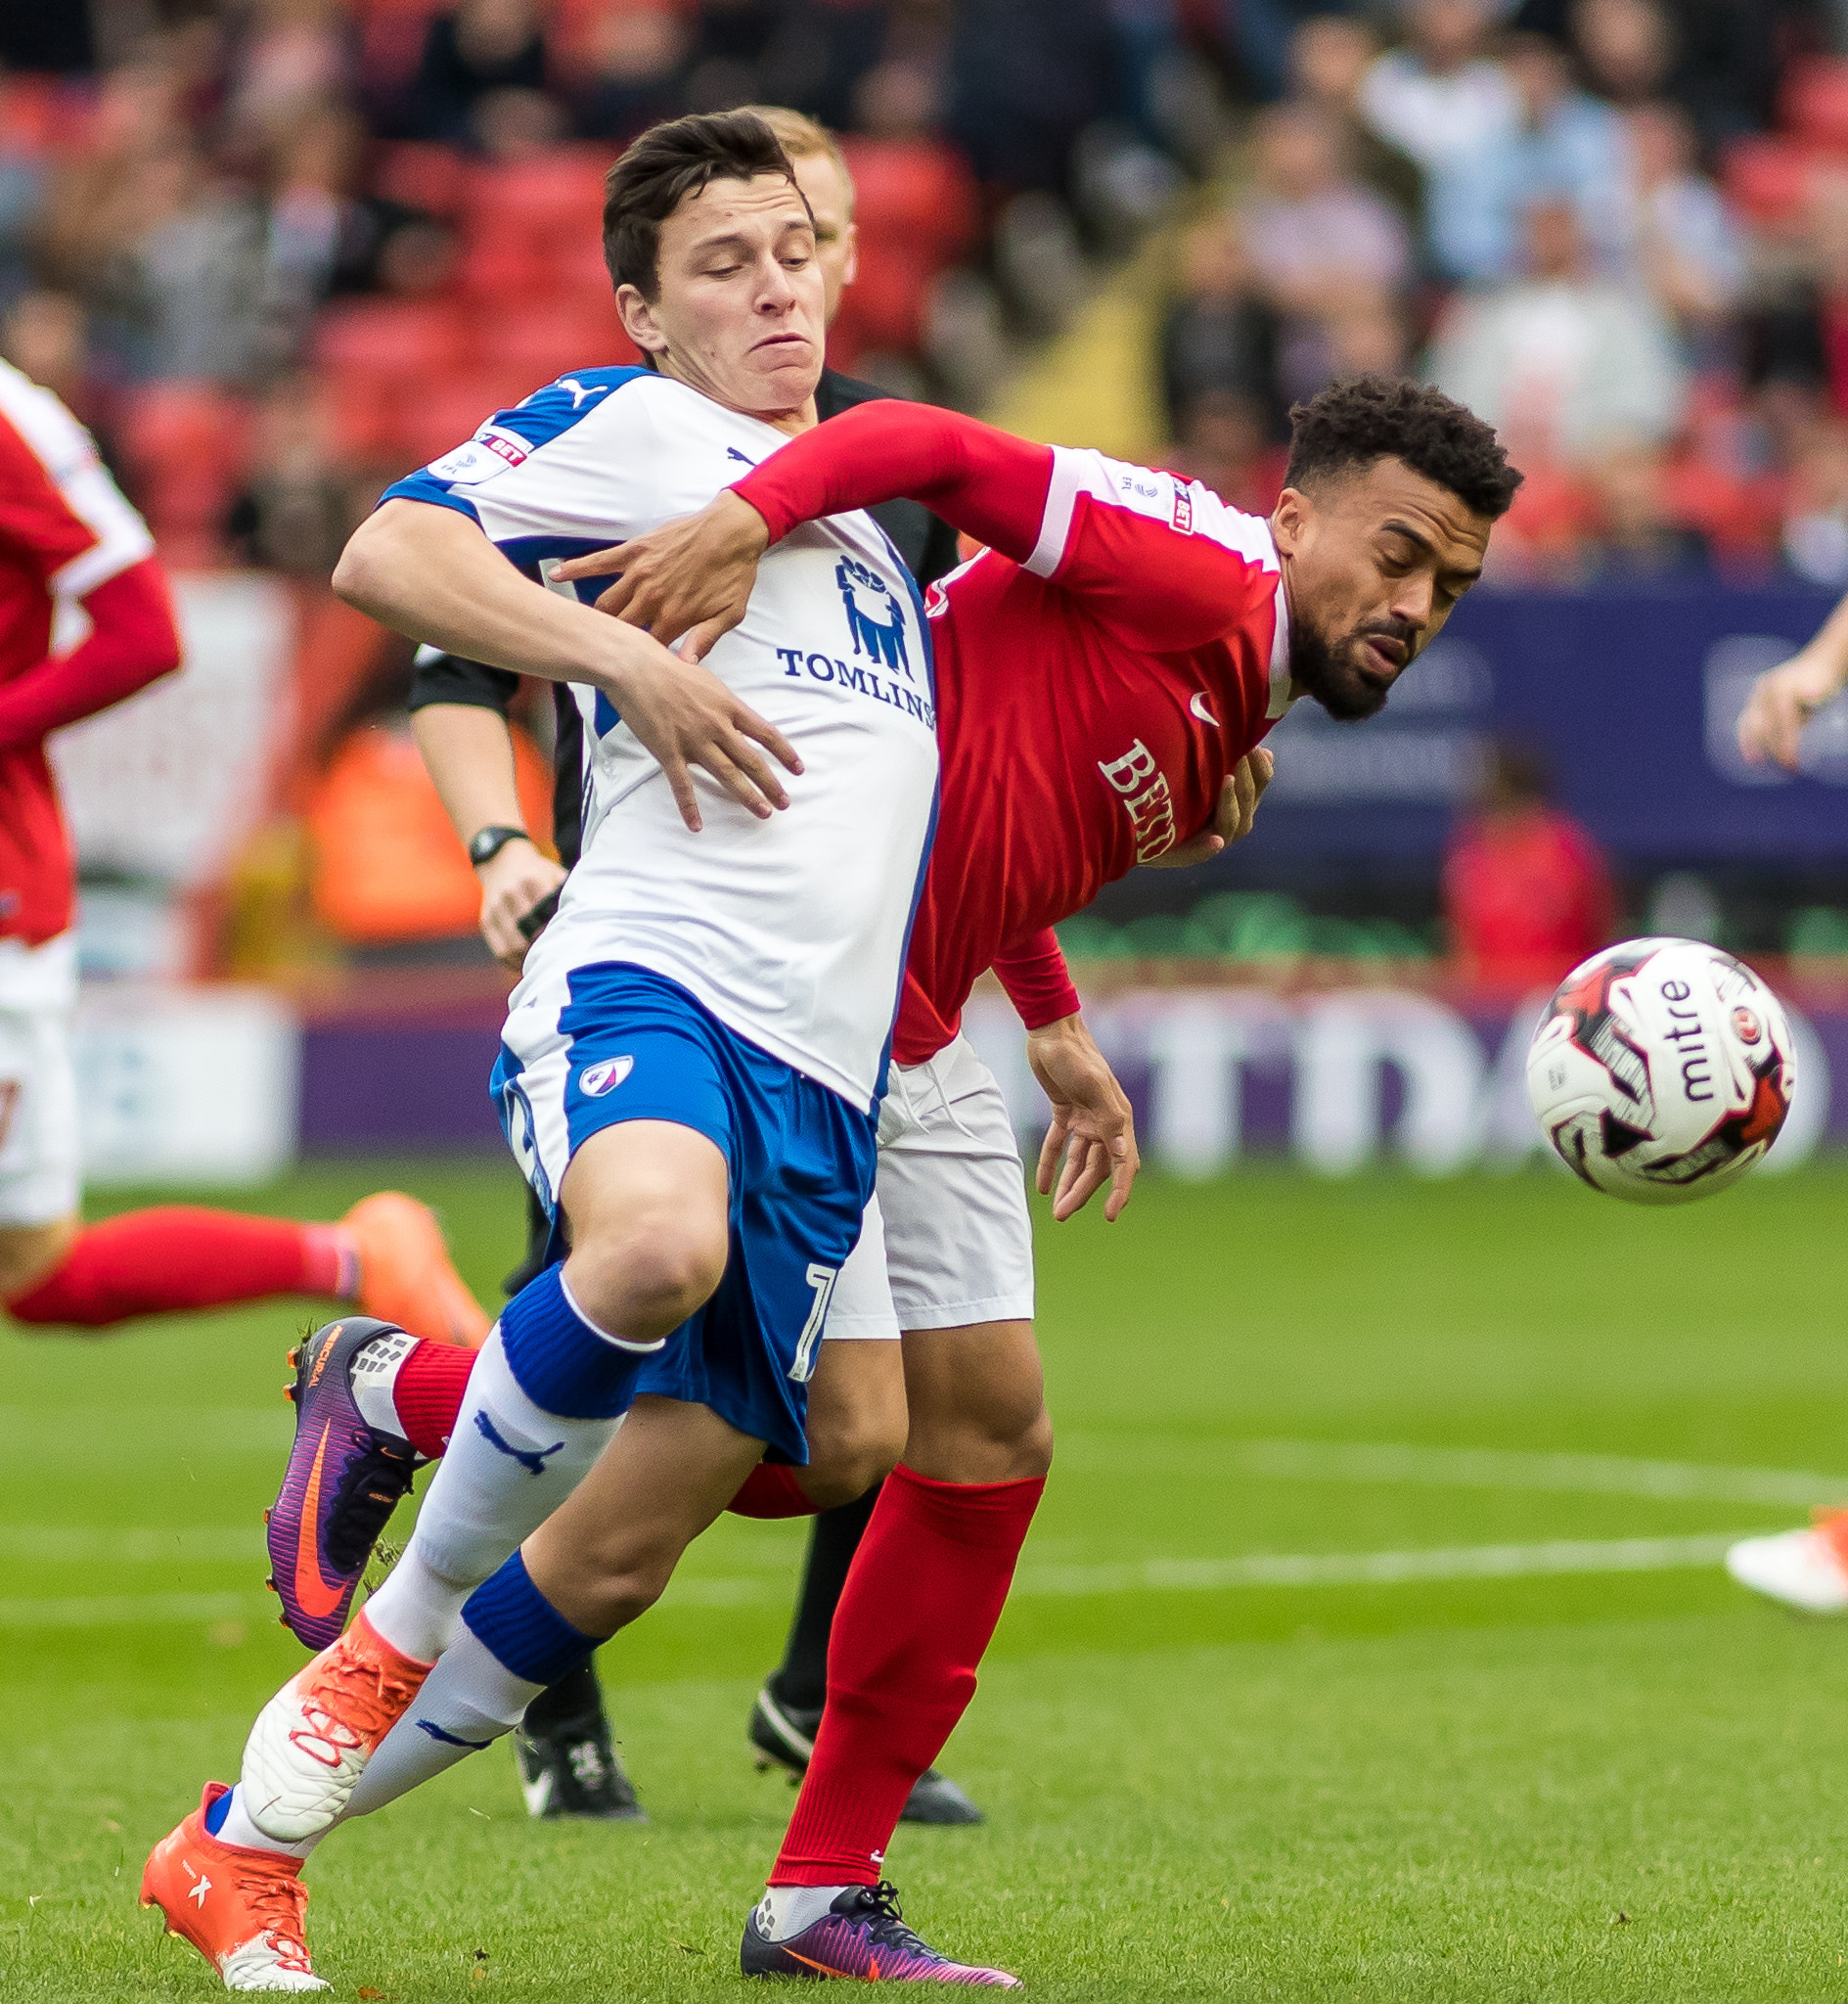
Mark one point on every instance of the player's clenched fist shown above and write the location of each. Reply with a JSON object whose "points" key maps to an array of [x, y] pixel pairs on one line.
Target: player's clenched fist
{"points": [[513, 881], [1783, 700], [689, 580]]}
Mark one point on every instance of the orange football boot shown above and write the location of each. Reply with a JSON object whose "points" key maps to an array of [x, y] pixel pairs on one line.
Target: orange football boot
{"points": [[243, 1910], [405, 1273]]}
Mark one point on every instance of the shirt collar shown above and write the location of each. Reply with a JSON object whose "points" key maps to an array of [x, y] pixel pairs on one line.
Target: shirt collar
{"points": [[1281, 698]]}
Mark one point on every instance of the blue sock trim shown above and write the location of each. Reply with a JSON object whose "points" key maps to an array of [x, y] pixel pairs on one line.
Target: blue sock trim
{"points": [[219, 1810], [522, 1630], [560, 1362]]}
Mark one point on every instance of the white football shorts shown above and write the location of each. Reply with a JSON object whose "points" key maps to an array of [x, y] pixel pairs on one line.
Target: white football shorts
{"points": [[40, 1175], [947, 1238]]}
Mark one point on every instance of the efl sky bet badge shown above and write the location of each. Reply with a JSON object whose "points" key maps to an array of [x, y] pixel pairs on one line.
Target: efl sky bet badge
{"points": [[605, 1077], [492, 450]]}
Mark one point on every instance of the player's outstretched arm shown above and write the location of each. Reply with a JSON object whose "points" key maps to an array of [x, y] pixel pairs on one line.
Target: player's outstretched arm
{"points": [[693, 577], [1784, 699], [430, 571], [132, 641]]}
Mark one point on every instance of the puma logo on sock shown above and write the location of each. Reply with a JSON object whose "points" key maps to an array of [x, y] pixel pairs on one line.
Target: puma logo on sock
{"points": [[436, 1732], [532, 1460]]}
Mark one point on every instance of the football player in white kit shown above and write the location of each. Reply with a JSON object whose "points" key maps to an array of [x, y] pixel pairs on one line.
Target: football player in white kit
{"points": [[693, 1062]]}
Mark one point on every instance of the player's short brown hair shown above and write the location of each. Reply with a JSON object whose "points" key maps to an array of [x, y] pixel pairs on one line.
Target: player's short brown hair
{"points": [[805, 139], [660, 169], [1361, 419]]}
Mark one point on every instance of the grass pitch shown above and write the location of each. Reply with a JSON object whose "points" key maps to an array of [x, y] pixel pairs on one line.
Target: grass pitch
{"points": [[1312, 1687]]}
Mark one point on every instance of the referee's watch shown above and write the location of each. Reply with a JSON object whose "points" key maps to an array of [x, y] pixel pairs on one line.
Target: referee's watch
{"points": [[488, 842]]}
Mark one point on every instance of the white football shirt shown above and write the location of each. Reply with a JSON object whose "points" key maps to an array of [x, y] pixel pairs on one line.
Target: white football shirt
{"points": [[790, 931]]}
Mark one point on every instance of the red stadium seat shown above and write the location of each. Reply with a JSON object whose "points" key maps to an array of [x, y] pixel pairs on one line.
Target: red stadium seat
{"points": [[410, 343], [1813, 102], [392, 36], [883, 307], [916, 193], [419, 175], [1767, 179], [447, 412], [543, 342], [554, 202], [185, 447]]}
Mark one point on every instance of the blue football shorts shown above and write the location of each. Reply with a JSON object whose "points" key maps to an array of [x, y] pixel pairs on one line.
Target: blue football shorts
{"points": [[628, 1044]]}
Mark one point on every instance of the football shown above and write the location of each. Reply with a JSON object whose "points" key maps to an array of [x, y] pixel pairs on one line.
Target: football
{"points": [[1661, 1070]]}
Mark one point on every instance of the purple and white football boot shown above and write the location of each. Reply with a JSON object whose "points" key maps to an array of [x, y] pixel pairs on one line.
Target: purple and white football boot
{"points": [[863, 1937], [344, 1480]]}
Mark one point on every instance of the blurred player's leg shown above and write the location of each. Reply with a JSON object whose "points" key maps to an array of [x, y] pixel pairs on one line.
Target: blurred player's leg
{"points": [[1804, 1569], [386, 1256]]}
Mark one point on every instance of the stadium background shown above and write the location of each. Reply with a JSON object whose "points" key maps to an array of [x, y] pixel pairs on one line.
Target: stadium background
{"points": [[1371, 1641]]}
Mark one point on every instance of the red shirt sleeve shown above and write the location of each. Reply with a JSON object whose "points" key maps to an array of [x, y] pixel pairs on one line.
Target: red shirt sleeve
{"points": [[35, 519], [1034, 974], [1161, 562], [132, 641], [987, 483]]}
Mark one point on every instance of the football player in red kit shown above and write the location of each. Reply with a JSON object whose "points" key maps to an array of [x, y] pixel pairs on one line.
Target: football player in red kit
{"points": [[67, 538], [1102, 670]]}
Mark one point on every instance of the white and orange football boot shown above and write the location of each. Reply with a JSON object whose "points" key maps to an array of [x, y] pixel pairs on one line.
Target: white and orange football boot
{"points": [[311, 1742], [1803, 1569], [243, 1910], [406, 1275]]}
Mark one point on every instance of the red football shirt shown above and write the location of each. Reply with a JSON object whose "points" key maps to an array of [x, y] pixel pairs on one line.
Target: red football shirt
{"points": [[1100, 669], [66, 533]]}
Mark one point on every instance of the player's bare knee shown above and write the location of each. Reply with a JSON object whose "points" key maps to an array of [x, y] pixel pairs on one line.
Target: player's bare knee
{"points": [[845, 1462], [644, 1280], [1032, 1454]]}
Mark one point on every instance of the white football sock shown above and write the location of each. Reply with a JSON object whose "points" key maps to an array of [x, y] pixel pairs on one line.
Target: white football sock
{"points": [[508, 1467], [238, 1829], [373, 1375], [471, 1698], [786, 1910]]}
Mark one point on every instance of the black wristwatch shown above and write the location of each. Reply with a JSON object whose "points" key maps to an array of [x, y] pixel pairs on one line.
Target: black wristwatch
{"points": [[488, 842]]}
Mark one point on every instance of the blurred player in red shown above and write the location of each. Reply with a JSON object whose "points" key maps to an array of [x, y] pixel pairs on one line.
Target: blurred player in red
{"points": [[1526, 890], [70, 540]]}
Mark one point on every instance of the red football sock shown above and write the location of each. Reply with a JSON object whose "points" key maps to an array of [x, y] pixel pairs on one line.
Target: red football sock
{"points": [[158, 1263], [428, 1394], [771, 1490], [923, 1597]]}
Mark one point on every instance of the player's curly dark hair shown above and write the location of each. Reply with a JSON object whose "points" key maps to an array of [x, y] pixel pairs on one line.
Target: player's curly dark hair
{"points": [[1362, 419], [663, 167]]}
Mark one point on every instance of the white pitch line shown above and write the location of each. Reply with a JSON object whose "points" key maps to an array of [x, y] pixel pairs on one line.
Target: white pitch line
{"points": [[130, 1544], [122, 1611], [1458, 1468], [1558, 1559]]}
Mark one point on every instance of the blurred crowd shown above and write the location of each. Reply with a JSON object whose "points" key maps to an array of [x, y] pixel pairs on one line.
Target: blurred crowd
{"points": [[274, 251], [1618, 229]]}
